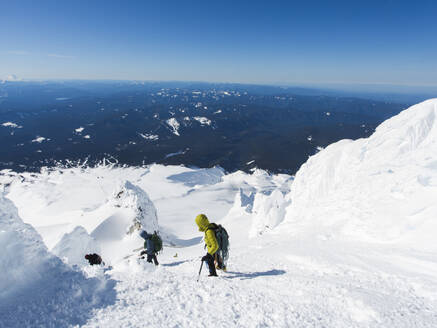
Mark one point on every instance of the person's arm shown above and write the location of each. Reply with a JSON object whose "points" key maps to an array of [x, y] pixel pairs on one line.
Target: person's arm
{"points": [[211, 241]]}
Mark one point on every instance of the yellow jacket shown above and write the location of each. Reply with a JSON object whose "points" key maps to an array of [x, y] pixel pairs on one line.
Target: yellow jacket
{"points": [[210, 240]]}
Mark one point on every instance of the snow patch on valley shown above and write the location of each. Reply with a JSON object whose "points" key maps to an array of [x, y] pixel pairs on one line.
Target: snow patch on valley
{"points": [[180, 152], [174, 125], [39, 139], [148, 136], [202, 120], [11, 125]]}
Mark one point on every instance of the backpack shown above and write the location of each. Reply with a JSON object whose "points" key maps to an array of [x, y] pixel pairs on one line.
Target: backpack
{"points": [[222, 239], [157, 242]]}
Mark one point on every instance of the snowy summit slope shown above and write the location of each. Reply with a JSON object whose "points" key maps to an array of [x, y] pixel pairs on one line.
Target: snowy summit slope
{"points": [[382, 188], [346, 243]]}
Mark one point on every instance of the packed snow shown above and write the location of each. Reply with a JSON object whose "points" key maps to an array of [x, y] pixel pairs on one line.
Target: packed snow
{"points": [[347, 242]]}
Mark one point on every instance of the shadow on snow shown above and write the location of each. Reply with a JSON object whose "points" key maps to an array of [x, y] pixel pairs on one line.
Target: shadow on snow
{"points": [[252, 275], [176, 242], [174, 263]]}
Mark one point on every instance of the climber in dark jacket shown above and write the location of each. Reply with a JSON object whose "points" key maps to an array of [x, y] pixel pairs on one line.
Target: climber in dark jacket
{"points": [[149, 247]]}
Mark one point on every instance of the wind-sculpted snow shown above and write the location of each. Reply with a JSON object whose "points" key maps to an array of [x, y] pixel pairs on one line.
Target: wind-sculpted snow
{"points": [[74, 245], [383, 188], [268, 211], [132, 197], [245, 201], [37, 288]]}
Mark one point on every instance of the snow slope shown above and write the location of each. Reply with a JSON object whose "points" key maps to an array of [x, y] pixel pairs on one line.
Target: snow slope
{"points": [[36, 287], [347, 243], [380, 189]]}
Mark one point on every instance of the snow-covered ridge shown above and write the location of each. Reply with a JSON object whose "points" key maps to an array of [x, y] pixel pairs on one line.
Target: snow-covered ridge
{"points": [[382, 188]]}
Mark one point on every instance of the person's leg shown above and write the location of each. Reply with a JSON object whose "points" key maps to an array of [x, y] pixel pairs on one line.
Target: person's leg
{"points": [[149, 258], [219, 261], [155, 259], [211, 266]]}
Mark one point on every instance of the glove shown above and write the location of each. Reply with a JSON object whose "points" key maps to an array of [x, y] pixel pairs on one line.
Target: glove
{"points": [[206, 257]]}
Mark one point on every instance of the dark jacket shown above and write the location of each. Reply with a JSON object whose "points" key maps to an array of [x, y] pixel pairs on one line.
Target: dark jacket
{"points": [[149, 245], [94, 259]]}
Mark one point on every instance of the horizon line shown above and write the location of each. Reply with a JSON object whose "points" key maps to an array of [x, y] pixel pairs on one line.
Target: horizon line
{"points": [[277, 84]]}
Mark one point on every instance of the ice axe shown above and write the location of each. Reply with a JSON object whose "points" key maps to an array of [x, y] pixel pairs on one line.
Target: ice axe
{"points": [[201, 265]]}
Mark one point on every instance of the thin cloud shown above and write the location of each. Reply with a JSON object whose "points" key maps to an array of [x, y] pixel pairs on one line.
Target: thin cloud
{"points": [[18, 52], [60, 56]]}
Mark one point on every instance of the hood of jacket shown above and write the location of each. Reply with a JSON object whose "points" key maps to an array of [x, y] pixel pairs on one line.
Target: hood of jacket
{"points": [[202, 222]]}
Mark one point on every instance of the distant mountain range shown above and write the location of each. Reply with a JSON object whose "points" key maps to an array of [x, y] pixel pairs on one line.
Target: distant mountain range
{"points": [[196, 124]]}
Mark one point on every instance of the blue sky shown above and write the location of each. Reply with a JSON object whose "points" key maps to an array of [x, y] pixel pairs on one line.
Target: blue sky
{"points": [[393, 42]]}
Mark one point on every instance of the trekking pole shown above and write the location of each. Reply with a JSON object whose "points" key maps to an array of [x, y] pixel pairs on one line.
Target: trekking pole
{"points": [[201, 265]]}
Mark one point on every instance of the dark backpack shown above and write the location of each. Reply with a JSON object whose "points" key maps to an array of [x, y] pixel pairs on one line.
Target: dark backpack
{"points": [[222, 239], [157, 242]]}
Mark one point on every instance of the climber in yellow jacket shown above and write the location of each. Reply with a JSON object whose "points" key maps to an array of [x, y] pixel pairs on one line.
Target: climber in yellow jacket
{"points": [[210, 241]]}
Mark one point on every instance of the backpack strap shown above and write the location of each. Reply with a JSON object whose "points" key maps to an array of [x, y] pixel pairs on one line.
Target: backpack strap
{"points": [[212, 226]]}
